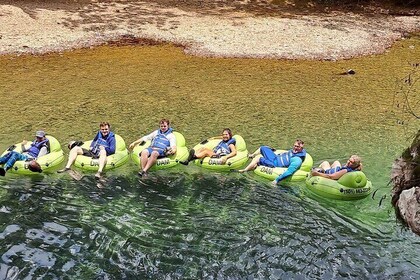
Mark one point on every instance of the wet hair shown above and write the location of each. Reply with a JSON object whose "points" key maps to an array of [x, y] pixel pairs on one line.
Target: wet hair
{"points": [[164, 121], [103, 124], [228, 131]]}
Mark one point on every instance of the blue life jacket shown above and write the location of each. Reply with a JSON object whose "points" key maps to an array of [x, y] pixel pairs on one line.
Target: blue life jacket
{"points": [[283, 160], [223, 147], [33, 151], [161, 142], [99, 140], [338, 168]]}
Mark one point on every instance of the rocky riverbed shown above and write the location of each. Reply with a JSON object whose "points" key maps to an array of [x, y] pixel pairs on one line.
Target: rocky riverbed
{"points": [[211, 30]]}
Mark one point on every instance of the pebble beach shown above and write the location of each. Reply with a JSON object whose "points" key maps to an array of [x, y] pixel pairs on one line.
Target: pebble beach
{"points": [[222, 33]]}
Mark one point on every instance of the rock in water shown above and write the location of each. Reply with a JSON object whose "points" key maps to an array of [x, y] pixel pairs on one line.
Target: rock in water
{"points": [[405, 177]]}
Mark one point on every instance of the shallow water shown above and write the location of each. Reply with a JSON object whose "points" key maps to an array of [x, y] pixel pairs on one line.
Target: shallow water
{"points": [[191, 223]]}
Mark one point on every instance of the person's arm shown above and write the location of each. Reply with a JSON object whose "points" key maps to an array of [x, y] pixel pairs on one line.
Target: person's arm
{"points": [[92, 144], [135, 143], [148, 137], [233, 153], [23, 145], [42, 152], [110, 149], [295, 164], [256, 153], [335, 176], [172, 143]]}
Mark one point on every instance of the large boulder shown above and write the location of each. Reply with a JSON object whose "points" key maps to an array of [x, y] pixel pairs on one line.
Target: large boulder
{"points": [[409, 208], [405, 177]]}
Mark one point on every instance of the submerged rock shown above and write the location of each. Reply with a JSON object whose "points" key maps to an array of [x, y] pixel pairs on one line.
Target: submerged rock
{"points": [[405, 177]]}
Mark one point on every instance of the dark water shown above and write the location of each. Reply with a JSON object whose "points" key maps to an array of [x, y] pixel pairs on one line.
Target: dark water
{"points": [[191, 223]]}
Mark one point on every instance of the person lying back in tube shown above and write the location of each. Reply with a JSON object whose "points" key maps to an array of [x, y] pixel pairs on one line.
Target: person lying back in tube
{"points": [[292, 159], [335, 171], [39, 147], [224, 150]]}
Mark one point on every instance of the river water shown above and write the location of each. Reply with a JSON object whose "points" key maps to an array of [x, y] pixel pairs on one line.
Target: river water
{"points": [[191, 223]]}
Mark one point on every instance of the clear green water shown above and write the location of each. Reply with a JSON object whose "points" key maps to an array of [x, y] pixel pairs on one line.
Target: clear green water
{"points": [[191, 223]]}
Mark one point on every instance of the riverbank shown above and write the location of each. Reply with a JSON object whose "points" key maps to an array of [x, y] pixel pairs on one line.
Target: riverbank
{"points": [[225, 32]]}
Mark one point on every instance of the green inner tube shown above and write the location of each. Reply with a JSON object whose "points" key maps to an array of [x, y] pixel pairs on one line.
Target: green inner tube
{"points": [[165, 162], [47, 162], [272, 173], [235, 162], [113, 161], [351, 186]]}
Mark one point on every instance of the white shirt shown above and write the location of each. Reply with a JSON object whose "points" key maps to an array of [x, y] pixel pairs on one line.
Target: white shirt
{"points": [[170, 136]]}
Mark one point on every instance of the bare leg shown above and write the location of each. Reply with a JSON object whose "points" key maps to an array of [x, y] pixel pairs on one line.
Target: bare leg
{"points": [[152, 160], [144, 157], [72, 157], [204, 152], [102, 159], [251, 166], [257, 152], [325, 165], [336, 164]]}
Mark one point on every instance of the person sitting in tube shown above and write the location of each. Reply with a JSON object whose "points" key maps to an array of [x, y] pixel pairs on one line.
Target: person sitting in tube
{"points": [[103, 145], [163, 143], [292, 159], [39, 147], [224, 150], [335, 171]]}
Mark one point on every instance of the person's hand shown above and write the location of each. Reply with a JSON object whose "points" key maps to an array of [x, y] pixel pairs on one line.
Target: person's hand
{"points": [[223, 160], [169, 151], [251, 155], [274, 183], [132, 145], [24, 142]]}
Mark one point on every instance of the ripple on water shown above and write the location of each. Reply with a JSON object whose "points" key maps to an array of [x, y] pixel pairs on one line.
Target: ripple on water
{"points": [[187, 222]]}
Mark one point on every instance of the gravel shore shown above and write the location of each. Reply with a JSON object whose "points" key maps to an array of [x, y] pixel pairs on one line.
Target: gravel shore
{"points": [[218, 34]]}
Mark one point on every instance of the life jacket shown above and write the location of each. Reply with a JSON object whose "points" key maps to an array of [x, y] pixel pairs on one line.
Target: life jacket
{"points": [[33, 151], [283, 160], [161, 142], [99, 140], [223, 147], [339, 168]]}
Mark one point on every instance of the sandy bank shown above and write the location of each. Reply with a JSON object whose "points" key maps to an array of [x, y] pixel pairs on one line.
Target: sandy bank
{"points": [[227, 34]]}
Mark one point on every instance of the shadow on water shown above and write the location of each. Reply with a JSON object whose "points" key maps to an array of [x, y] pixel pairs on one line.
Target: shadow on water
{"points": [[191, 223]]}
